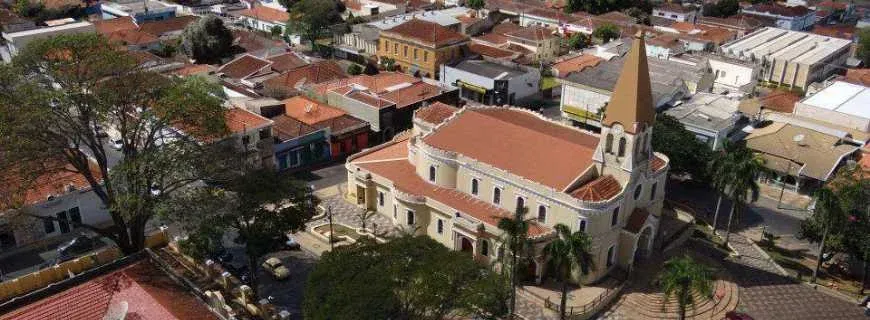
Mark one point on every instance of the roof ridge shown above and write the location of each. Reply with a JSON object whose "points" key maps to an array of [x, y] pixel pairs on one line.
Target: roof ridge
{"points": [[529, 113]]}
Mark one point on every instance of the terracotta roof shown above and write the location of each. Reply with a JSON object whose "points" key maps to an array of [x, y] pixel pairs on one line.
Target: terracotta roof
{"points": [[532, 33], [492, 38], [665, 40], [309, 111], [112, 25], [467, 20], [404, 177], [378, 83], [631, 103], [435, 113], [238, 120], [858, 76], [576, 64], [134, 37], [418, 91], [835, 31], [150, 293], [264, 13], [602, 188], [636, 220], [684, 27], [426, 32], [243, 67], [505, 28], [161, 27], [499, 132], [777, 9], [287, 62], [342, 124], [56, 179], [370, 99], [657, 164], [780, 100], [194, 69], [616, 16], [490, 51], [315, 73], [837, 5], [286, 127], [144, 57], [253, 42]]}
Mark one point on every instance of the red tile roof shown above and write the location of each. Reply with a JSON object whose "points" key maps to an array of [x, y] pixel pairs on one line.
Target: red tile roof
{"points": [[404, 178], [636, 220], [378, 83], [238, 120], [428, 33], [780, 100], [194, 69], [131, 37], [24, 189], [309, 111], [532, 33], [657, 164], [264, 13], [416, 92], [836, 31], [858, 76], [490, 51], [777, 9], [576, 64], [498, 134], [435, 113], [112, 25], [287, 127], [243, 67], [313, 74], [600, 189], [287, 62], [161, 27], [492, 38]]}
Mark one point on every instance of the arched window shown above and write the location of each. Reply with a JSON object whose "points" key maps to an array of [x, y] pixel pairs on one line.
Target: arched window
{"points": [[431, 173], [615, 217], [542, 214], [440, 226], [521, 203], [610, 257], [484, 248], [496, 195], [621, 151], [410, 217], [608, 143], [637, 191], [582, 226], [474, 186]]}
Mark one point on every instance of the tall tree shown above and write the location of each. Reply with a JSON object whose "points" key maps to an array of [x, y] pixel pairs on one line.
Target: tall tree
{"points": [[829, 214], [680, 277], [475, 4], [688, 155], [606, 32], [59, 92], [746, 167], [309, 18], [207, 40], [565, 252], [720, 175], [409, 277], [261, 205], [863, 51], [579, 41], [515, 237]]}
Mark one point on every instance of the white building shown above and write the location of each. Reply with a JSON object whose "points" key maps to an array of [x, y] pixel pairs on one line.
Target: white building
{"points": [[842, 103], [264, 18], [491, 83], [733, 75], [15, 41], [676, 12], [713, 118], [792, 18], [790, 58]]}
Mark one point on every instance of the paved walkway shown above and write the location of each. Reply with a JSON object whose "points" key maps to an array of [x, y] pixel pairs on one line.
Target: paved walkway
{"points": [[347, 213], [529, 310]]}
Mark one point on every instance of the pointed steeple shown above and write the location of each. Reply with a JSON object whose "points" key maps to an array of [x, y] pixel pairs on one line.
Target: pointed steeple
{"points": [[631, 103]]}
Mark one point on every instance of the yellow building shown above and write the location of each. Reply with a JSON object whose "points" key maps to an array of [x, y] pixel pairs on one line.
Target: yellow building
{"points": [[420, 47], [458, 172]]}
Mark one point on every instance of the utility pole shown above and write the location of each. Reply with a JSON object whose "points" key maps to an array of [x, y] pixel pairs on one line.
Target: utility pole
{"points": [[329, 216]]}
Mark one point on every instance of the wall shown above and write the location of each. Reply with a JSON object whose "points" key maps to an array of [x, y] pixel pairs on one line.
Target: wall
{"points": [[832, 117], [90, 208], [733, 75], [525, 85], [307, 150], [427, 60], [579, 97], [360, 110]]}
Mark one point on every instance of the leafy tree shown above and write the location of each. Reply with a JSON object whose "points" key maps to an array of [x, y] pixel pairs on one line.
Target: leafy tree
{"points": [[722, 9], [475, 4], [354, 69], [276, 31], [261, 205], [288, 3], [389, 64], [745, 167], [309, 18], [579, 41], [606, 32], [410, 277], [565, 252], [599, 6], [720, 175], [370, 69], [688, 155], [59, 91], [680, 277], [207, 40], [864, 45], [829, 214], [638, 14], [515, 238]]}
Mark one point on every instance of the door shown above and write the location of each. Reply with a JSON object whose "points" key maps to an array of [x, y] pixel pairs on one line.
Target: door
{"points": [[63, 222], [360, 195]]}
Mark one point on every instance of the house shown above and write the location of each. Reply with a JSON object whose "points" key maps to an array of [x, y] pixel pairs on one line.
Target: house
{"points": [[16, 41], [139, 11], [544, 45], [369, 8], [564, 68], [740, 24], [301, 79], [251, 71], [167, 29], [664, 46], [385, 101], [795, 18], [263, 18], [134, 40], [790, 58], [420, 47], [712, 118], [676, 12], [107, 26], [347, 135], [253, 133], [842, 103], [733, 75], [57, 192], [438, 182], [491, 83]]}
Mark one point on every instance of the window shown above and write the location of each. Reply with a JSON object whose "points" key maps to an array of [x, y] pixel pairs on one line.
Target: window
{"points": [[440, 226], [380, 199], [395, 212], [431, 173], [425, 56], [652, 192], [48, 225], [484, 248], [615, 217], [582, 225], [521, 203], [610, 257], [396, 48], [410, 217], [75, 216], [416, 53], [542, 214], [621, 147], [637, 191], [496, 195], [474, 186], [405, 51], [609, 143], [63, 222]]}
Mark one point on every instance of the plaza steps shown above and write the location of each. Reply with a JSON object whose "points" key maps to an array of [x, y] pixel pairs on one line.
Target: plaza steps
{"points": [[649, 305]]}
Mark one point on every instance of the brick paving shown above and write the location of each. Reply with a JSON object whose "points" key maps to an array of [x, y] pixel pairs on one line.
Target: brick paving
{"points": [[347, 213], [529, 310]]}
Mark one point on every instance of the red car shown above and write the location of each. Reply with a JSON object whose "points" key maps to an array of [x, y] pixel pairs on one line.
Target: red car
{"points": [[733, 315]]}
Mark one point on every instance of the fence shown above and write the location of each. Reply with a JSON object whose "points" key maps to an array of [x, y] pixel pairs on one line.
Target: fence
{"points": [[587, 310]]}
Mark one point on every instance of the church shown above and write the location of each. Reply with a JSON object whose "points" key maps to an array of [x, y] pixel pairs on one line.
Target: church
{"points": [[458, 172]]}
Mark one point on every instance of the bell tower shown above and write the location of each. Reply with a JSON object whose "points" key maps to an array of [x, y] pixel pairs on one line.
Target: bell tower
{"points": [[624, 145]]}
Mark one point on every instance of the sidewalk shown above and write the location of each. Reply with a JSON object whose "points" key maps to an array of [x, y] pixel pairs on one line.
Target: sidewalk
{"points": [[790, 198]]}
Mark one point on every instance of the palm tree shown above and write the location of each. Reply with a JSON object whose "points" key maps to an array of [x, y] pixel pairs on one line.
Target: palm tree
{"points": [[829, 214], [745, 166], [567, 250], [515, 238], [682, 275], [720, 175]]}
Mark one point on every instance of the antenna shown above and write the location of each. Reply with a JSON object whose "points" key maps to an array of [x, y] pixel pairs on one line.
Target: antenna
{"points": [[309, 107]]}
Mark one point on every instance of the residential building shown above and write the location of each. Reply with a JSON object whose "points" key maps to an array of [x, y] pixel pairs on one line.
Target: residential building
{"points": [[712, 118], [676, 12], [16, 41], [372, 8], [299, 80], [139, 10], [59, 193], [790, 58], [544, 45], [696, 37], [740, 24], [167, 29], [491, 83], [564, 68], [437, 181], [263, 18], [385, 101], [664, 46], [790, 18], [134, 40], [732, 75], [251, 71], [842, 103], [420, 47], [347, 135]]}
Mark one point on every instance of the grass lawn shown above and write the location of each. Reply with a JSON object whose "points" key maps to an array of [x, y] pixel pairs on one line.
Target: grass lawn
{"points": [[800, 266], [549, 83], [339, 230]]}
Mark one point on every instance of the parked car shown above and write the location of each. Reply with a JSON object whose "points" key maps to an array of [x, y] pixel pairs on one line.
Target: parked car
{"points": [[76, 246], [733, 315], [276, 268], [291, 243]]}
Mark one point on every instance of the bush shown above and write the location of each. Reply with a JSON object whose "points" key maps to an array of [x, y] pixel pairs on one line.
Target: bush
{"points": [[354, 69]]}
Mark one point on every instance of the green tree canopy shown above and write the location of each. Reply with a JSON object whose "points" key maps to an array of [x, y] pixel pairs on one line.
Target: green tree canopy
{"points": [[863, 52], [681, 277], [309, 18], [207, 40], [579, 41], [688, 155], [722, 8], [59, 92], [475, 4], [406, 278], [606, 32]]}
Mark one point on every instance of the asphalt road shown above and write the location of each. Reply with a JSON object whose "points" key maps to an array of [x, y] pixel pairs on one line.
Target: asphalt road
{"points": [[325, 177]]}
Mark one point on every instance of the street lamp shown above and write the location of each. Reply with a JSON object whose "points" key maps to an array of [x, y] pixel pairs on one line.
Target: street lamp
{"points": [[329, 216]]}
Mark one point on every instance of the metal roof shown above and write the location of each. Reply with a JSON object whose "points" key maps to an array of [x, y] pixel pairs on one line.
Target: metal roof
{"points": [[843, 97]]}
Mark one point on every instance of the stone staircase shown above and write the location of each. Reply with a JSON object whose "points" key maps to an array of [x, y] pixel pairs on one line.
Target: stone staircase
{"points": [[641, 304]]}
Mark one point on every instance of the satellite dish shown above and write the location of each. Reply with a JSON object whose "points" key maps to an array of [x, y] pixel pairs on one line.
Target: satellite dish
{"points": [[117, 311]]}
